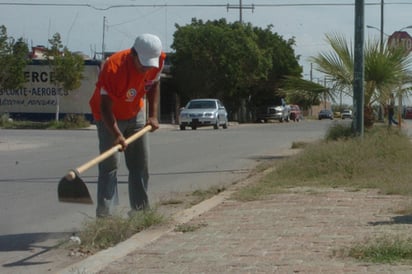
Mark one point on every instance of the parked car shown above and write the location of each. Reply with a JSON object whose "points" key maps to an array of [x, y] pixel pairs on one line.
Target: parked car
{"points": [[280, 113], [295, 113], [337, 114], [203, 112], [347, 113], [408, 113], [325, 114]]}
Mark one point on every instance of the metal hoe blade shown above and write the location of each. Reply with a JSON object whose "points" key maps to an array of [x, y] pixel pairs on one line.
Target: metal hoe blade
{"points": [[73, 191]]}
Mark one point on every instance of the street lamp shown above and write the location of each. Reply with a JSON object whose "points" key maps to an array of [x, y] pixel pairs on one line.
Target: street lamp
{"points": [[408, 27], [378, 29]]}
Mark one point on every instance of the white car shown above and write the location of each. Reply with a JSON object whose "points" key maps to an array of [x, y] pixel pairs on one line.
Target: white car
{"points": [[203, 112], [347, 113]]}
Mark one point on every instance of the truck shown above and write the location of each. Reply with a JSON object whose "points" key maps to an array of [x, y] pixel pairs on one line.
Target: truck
{"points": [[279, 113]]}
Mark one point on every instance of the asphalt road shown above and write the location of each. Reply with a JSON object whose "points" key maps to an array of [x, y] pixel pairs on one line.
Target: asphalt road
{"points": [[33, 161]]}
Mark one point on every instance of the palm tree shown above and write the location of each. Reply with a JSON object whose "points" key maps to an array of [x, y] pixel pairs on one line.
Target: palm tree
{"points": [[386, 69]]}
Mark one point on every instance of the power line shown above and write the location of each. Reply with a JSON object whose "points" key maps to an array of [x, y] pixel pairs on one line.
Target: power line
{"points": [[191, 5]]}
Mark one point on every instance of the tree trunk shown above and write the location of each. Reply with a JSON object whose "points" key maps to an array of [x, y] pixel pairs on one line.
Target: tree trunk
{"points": [[369, 117]]}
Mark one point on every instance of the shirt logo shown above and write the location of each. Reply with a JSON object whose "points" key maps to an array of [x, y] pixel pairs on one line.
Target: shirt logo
{"points": [[131, 94]]}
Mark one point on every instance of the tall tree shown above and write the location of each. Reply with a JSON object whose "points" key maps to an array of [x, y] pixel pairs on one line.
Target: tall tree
{"points": [[229, 61], [216, 58], [13, 60], [284, 64], [67, 67]]}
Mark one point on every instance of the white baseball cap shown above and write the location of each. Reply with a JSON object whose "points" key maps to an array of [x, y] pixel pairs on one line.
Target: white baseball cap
{"points": [[148, 48]]}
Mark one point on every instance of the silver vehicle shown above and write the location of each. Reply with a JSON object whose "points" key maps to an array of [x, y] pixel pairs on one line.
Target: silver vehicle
{"points": [[347, 113], [280, 113], [203, 112]]}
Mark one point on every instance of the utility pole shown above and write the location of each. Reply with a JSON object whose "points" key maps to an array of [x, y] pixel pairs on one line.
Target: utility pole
{"points": [[240, 11], [311, 69], [104, 30], [382, 32], [358, 77], [240, 7]]}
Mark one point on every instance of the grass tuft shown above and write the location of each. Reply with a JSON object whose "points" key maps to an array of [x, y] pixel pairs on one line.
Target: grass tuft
{"points": [[339, 131], [102, 233], [70, 121], [185, 228], [201, 195], [384, 249]]}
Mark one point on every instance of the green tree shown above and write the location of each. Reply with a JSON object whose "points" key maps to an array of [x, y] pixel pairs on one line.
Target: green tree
{"points": [[215, 58], [385, 70], [284, 64], [230, 62], [67, 68], [13, 60]]}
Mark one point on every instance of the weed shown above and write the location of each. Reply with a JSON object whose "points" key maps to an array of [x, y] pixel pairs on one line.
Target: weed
{"points": [[102, 233], [201, 195], [384, 249], [297, 145], [184, 228], [70, 121], [5, 119], [339, 131], [171, 202]]}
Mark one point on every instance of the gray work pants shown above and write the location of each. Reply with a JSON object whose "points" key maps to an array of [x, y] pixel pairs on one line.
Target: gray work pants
{"points": [[136, 157]]}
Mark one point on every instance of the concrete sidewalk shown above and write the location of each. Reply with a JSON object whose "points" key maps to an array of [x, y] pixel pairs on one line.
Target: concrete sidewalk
{"points": [[303, 231]]}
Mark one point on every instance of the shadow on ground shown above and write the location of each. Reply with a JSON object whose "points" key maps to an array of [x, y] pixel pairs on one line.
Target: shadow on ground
{"points": [[34, 242]]}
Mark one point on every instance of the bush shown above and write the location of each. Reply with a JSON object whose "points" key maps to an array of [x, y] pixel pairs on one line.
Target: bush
{"points": [[76, 120], [70, 121], [4, 119], [339, 131]]}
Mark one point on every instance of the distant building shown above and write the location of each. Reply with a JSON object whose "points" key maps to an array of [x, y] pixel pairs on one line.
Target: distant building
{"points": [[39, 53]]}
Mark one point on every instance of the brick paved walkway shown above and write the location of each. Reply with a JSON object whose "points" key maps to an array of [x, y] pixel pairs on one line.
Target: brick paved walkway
{"points": [[297, 232]]}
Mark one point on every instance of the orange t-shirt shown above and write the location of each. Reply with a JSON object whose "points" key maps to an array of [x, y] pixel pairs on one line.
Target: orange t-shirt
{"points": [[124, 85]]}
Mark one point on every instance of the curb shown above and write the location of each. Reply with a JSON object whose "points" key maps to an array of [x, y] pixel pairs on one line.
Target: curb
{"points": [[102, 259]]}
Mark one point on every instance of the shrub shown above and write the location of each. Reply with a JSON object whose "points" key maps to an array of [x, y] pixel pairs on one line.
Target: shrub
{"points": [[339, 131]]}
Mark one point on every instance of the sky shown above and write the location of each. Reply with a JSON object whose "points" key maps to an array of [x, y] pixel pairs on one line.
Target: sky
{"points": [[81, 27]]}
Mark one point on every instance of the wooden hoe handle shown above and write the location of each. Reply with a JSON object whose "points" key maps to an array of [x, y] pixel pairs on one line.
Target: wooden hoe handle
{"points": [[71, 175]]}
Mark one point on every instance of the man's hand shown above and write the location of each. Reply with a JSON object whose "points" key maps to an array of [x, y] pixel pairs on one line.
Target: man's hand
{"points": [[153, 122], [120, 140], [110, 121]]}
